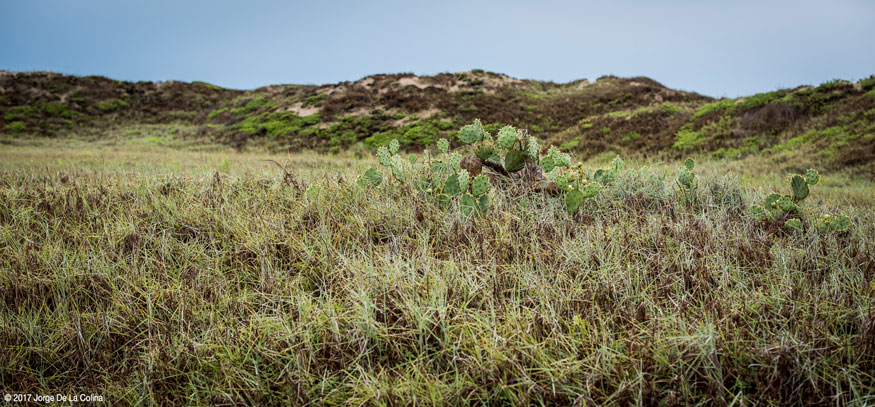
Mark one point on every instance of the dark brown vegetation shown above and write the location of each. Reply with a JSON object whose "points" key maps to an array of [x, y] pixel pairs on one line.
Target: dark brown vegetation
{"points": [[831, 124]]}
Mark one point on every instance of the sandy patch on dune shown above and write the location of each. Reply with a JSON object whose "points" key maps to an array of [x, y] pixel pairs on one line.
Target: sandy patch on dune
{"points": [[413, 81], [300, 110]]}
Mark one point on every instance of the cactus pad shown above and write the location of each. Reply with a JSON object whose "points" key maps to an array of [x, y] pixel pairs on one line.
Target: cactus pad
{"points": [[771, 202], [480, 185], [372, 177], [443, 145], [793, 224], [562, 182], [689, 163], [470, 134], [467, 204], [393, 146], [812, 177], [799, 187], [685, 177], [840, 224], [484, 152], [483, 203], [533, 149], [455, 162], [451, 187], [786, 204], [547, 164], [573, 199], [514, 160], [592, 189], [463, 180], [507, 136], [384, 157]]}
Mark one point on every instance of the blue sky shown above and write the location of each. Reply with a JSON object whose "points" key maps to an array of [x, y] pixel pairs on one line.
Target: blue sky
{"points": [[718, 48]]}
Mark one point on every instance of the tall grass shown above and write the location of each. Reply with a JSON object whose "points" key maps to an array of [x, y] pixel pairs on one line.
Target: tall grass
{"points": [[152, 278]]}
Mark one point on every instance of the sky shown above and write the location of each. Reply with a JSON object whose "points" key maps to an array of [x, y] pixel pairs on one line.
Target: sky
{"points": [[717, 48]]}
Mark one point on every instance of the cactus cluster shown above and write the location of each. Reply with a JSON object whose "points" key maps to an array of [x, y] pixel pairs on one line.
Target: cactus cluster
{"points": [[687, 179], [515, 150], [439, 177], [512, 148], [787, 207]]}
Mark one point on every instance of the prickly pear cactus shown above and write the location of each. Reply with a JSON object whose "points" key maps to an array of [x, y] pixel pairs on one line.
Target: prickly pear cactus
{"points": [[533, 149], [398, 168], [812, 177], [794, 224], [786, 204], [685, 177], [451, 186], [384, 157], [393, 146], [573, 200], [592, 189], [443, 145], [370, 178], [507, 136], [471, 133], [689, 164], [467, 204], [514, 161], [463, 180], [562, 182], [480, 185], [771, 202], [799, 187], [484, 152], [547, 164], [454, 161]]}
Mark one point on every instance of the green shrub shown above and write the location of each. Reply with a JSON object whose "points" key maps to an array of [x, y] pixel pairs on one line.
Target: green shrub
{"points": [[16, 127], [725, 105], [217, 112]]}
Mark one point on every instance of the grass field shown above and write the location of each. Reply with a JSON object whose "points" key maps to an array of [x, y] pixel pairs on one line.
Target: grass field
{"points": [[155, 275]]}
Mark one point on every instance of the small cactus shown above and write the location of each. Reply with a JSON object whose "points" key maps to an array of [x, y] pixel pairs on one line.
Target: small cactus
{"points": [[812, 177], [533, 149], [689, 163], [573, 199], [786, 204], [562, 182], [467, 204], [794, 224], [507, 136], [443, 145], [451, 187], [471, 133], [547, 164], [455, 162], [463, 180], [393, 146], [371, 177], [840, 224], [384, 157], [514, 161], [484, 152], [480, 185], [799, 187], [771, 202]]}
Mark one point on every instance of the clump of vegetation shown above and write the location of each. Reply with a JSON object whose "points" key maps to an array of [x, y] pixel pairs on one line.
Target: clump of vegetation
{"points": [[688, 180], [786, 208], [15, 127]]}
